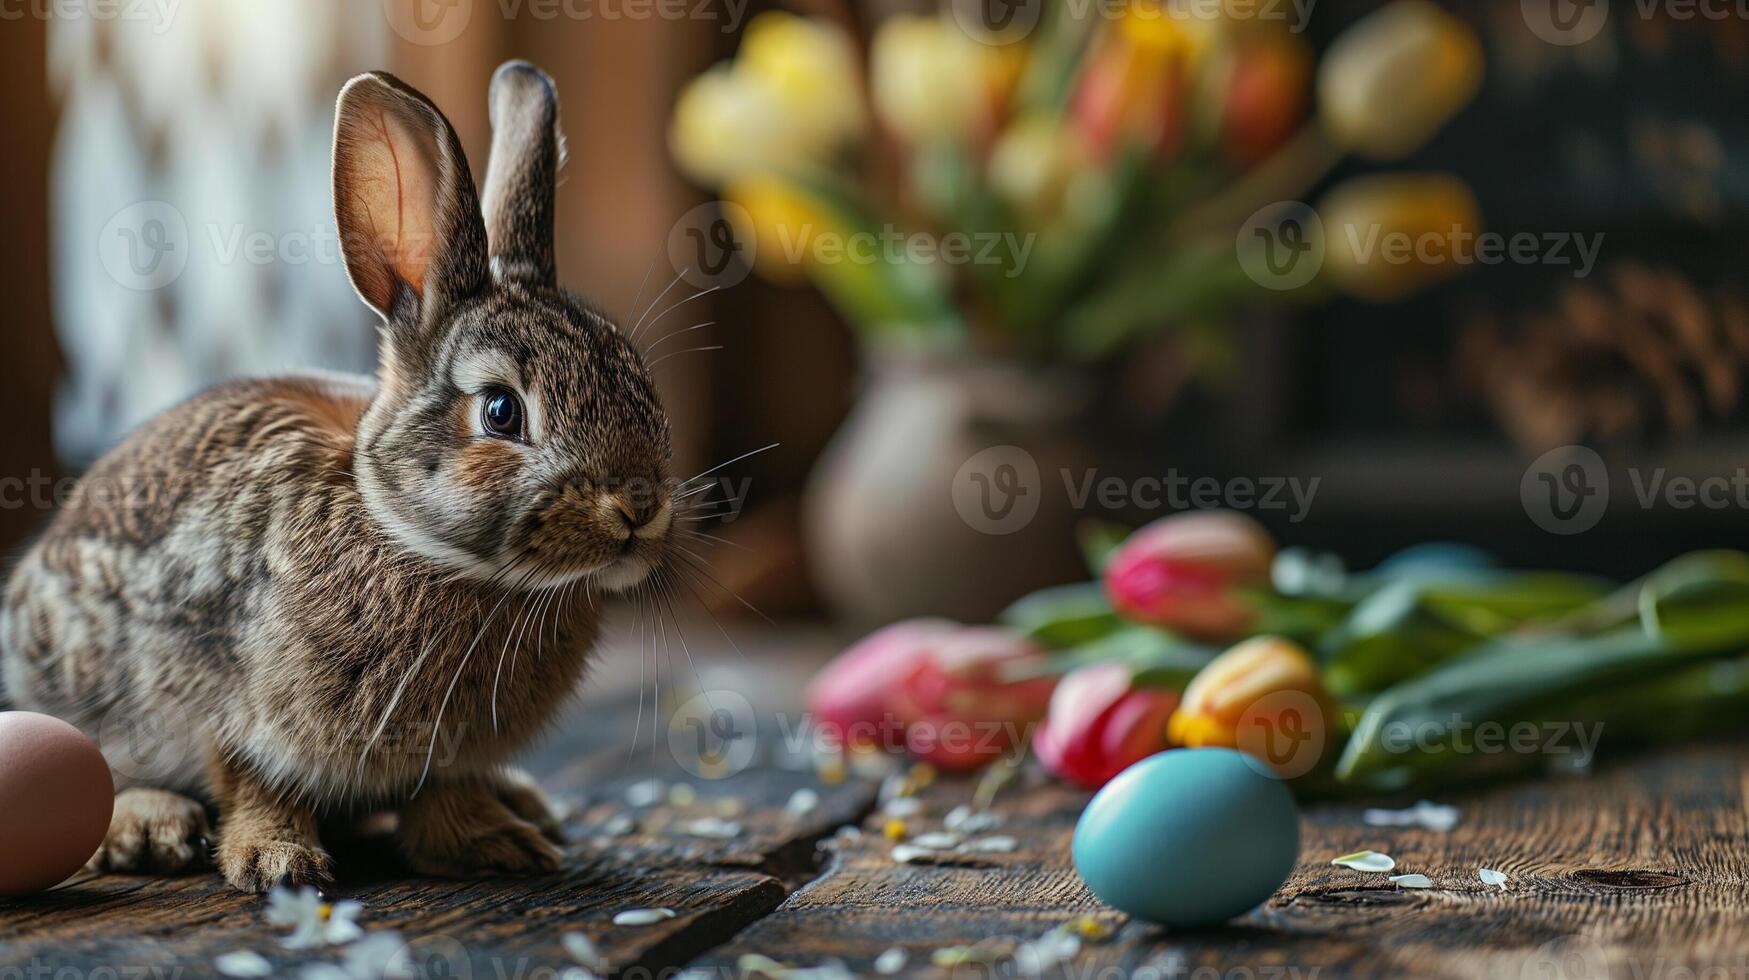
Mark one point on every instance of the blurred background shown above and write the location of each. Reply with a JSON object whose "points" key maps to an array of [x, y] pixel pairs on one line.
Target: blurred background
{"points": [[1129, 181]]}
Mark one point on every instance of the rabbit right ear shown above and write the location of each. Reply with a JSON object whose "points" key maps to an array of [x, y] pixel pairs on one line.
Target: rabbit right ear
{"points": [[527, 151], [409, 221]]}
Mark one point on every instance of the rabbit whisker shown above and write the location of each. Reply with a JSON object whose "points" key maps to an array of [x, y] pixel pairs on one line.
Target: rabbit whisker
{"points": [[731, 462], [467, 654], [633, 335], [678, 305], [676, 353], [658, 341]]}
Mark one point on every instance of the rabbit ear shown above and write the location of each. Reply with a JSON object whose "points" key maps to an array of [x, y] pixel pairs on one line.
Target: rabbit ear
{"points": [[527, 151], [409, 221]]}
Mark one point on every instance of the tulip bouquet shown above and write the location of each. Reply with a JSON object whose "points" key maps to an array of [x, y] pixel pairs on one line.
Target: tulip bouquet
{"points": [[1437, 665], [1063, 191]]}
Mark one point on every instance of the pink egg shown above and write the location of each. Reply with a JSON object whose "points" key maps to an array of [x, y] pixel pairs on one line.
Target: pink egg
{"points": [[55, 800]]}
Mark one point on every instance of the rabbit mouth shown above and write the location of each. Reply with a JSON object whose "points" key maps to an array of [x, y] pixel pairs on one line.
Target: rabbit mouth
{"points": [[622, 573]]}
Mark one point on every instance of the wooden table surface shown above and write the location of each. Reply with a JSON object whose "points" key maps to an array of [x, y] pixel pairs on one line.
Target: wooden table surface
{"points": [[1638, 869]]}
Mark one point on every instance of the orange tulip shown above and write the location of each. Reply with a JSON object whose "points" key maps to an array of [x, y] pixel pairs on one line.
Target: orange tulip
{"points": [[1262, 697]]}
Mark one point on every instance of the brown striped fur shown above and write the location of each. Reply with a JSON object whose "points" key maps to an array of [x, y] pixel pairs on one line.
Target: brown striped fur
{"points": [[283, 586]]}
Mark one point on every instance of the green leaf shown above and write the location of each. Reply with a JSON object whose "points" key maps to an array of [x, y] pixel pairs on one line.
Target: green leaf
{"points": [[1158, 658], [1417, 724], [1063, 616], [1699, 600]]}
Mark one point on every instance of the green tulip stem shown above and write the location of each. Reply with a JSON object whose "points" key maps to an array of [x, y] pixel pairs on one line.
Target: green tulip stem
{"points": [[1292, 170]]}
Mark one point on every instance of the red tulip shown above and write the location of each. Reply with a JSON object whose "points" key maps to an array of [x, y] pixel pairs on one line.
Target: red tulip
{"points": [[1268, 87], [1134, 85], [1100, 724], [972, 697], [1182, 573], [852, 698]]}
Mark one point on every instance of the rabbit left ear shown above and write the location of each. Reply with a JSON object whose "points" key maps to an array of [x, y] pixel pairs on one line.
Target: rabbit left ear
{"points": [[527, 151], [408, 219]]}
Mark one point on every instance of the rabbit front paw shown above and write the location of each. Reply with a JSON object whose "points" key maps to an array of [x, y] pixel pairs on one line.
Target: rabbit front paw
{"points": [[155, 831], [255, 862], [518, 791], [466, 830]]}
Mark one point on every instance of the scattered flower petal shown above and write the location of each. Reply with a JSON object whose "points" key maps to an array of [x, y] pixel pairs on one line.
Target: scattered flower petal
{"points": [[313, 921], [1000, 844], [909, 854], [378, 956], [1366, 861], [1088, 927], [965, 820], [755, 965], [1411, 881], [648, 792], [1491, 877], [620, 825], [952, 956], [243, 963], [802, 802], [1436, 817], [1054, 948], [903, 806], [891, 961], [583, 949], [939, 841], [642, 917], [714, 827]]}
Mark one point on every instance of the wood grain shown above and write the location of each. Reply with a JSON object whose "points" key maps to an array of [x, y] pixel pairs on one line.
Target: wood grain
{"points": [[1638, 870]]}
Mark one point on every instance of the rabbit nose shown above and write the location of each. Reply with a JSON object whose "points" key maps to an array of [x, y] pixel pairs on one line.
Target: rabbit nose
{"points": [[639, 514]]}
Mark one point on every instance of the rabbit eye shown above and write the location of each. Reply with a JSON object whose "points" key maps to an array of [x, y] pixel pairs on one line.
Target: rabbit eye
{"points": [[501, 413]]}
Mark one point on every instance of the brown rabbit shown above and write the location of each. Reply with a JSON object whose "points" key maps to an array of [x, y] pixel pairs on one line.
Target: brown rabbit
{"points": [[339, 596]]}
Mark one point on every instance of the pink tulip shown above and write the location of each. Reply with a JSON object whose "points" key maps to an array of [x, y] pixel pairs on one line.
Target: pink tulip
{"points": [[852, 698], [972, 697], [1100, 724], [1182, 573]]}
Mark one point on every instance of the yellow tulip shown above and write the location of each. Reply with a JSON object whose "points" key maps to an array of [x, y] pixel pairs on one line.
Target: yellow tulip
{"points": [[930, 79], [1392, 80], [809, 67], [1035, 165], [790, 98], [785, 223], [1388, 236], [1262, 697]]}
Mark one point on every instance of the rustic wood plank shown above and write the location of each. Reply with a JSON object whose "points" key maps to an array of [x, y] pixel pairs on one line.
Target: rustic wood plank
{"points": [[509, 927], [1641, 867]]}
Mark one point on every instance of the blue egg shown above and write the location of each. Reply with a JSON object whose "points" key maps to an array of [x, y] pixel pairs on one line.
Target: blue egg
{"points": [[1188, 837]]}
